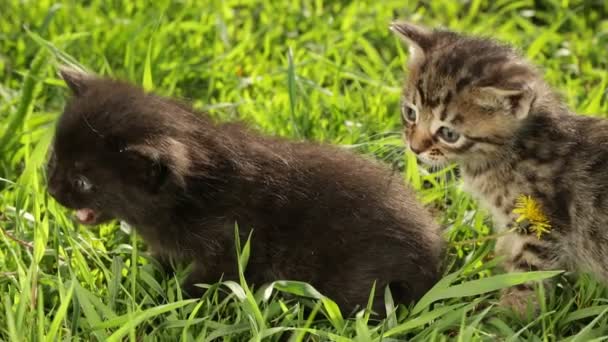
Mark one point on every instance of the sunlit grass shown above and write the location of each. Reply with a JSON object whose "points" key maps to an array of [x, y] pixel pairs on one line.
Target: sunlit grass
{"points": [[320, 70]]}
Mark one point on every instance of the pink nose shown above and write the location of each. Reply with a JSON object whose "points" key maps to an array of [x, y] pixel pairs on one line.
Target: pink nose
{"points": [[419, 146]]}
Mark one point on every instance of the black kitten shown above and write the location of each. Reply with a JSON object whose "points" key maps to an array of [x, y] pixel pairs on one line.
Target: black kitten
{"points": [[319, 214]]}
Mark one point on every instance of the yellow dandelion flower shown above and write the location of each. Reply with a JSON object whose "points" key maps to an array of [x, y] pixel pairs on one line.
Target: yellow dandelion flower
{"points": [[530, 210]]}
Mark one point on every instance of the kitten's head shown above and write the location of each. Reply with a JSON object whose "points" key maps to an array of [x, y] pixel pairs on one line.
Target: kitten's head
{"points": [[117, 151], [465, 97]]}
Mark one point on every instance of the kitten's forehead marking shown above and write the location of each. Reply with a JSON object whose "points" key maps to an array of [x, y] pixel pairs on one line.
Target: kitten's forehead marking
{"points": [[417, 99], [439, 112], [419, 92], [434, 125], [413, 96]]}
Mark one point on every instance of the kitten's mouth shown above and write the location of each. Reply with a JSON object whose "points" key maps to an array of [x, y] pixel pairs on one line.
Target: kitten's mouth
{"points": [[432, 160], [87, 216]]}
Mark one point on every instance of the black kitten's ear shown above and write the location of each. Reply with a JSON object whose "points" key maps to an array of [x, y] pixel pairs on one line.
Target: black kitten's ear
{"points": [[76, 80], [419, 39], [160, 161], [146, 168]]}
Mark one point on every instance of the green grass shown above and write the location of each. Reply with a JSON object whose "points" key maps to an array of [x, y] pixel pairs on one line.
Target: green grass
{"points": [[320, 70]]}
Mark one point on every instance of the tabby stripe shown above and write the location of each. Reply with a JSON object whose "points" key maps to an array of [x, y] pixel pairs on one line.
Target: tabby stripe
{"points": [[526, 266], [446, 102], [444, 113], [433, 102], [419, 88], [600, 162], [517, 258], [463, 82], [476, 172], [452, 65], [541, 252], [524, 287], [481, 65], [560, 206], [486, 140]]}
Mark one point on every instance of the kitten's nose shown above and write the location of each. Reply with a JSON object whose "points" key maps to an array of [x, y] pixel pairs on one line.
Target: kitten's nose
{"points": [[419, 144], [416, 150]]}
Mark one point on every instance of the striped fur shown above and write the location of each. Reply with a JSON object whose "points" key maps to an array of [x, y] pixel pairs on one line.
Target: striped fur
{"points": [[516, 138]]}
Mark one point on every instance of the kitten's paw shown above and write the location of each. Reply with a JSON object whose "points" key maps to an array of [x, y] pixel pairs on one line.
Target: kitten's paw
{"points": [[522, 301]]}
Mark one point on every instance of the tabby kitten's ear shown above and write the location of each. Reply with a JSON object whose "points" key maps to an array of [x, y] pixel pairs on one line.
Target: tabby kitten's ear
{"points": [[76, 80], [517, 99], [419, 39]]}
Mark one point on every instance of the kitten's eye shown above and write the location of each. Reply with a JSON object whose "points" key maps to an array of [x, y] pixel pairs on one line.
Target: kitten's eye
{"points": [[82, 184], [448, 135], [408, 113]]}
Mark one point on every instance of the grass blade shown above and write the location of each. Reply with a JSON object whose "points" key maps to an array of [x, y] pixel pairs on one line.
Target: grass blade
{"points": [[484, 285], [60, 315], [130, 321]]}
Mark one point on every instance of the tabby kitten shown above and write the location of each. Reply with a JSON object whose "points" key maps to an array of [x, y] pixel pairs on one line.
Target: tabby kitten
{"points": [[480, 104], [318, 213]]}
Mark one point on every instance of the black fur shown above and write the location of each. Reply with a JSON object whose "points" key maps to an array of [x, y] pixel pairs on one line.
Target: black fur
{"points": [[318, 213]]}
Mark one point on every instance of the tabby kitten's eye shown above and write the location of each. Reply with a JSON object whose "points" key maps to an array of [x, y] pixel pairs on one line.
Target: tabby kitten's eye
{"points": [[408, 114], [448, 135], [82, 184]]}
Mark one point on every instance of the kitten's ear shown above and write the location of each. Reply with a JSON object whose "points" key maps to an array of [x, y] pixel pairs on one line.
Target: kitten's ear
{"points": [[160, 161], [76, 80], [419, 39], [518, 98]]}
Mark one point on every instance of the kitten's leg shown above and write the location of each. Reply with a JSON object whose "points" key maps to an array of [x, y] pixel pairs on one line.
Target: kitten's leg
{"points": [[208, 273], [525, 253]]}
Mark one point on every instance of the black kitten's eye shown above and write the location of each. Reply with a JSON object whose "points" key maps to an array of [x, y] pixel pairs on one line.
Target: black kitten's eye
{"points": [[408, 113], [448, 135], [82, 184]]}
